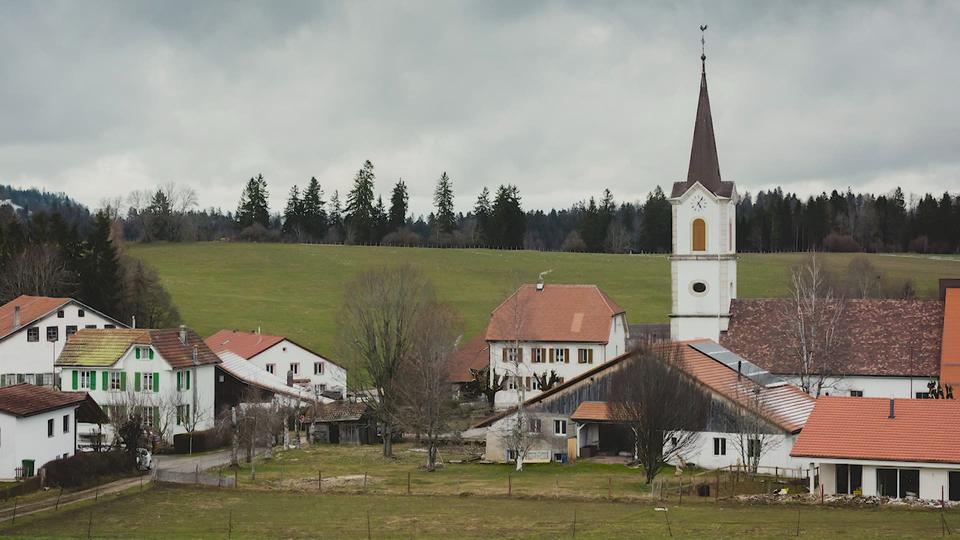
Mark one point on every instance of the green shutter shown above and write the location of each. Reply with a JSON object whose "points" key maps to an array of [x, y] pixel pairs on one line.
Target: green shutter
{"points": [[93, 380], [136, 352], [156, 382], [179, 380], [136, 381], [188, 380], [151, 354], [123, 381], [75, 376], [106, 380]]}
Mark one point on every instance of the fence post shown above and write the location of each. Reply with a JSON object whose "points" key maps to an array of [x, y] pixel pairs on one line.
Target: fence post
{"points": [[57, 508], [319, 481], [90, 525], [14, 510], [365, 484], [236, 477], [609, 487], [509, 485], [230, 524], [196, 474], [408, 482], [369, 534]]}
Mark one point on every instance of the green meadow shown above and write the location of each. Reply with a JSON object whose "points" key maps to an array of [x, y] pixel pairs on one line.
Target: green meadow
{"points": [[297, 290]]}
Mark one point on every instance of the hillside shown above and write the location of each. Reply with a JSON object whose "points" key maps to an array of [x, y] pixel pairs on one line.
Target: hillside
{"points": [[296, 289]]}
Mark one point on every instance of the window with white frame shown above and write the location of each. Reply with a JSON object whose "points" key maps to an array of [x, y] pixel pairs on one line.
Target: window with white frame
{"points": [[318, 368], [33, 334], [295, 368], [535, 382], [534, 425], [585, 356], [53, 333], [60, 314], [86, 377], [560, 355], [719, 446], [146, 382], [270, 368], [512, 354], [50, 427], [560, 427], [753, 448], [183, 414], [66, 423], [512, 383], [115, 381], [539, 356]]}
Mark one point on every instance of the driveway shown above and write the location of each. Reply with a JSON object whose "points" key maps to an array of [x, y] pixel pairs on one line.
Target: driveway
{"points": [[189, 464]]}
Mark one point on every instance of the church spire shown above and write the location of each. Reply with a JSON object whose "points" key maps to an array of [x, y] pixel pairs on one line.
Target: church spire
{"points": [[704, 163]]}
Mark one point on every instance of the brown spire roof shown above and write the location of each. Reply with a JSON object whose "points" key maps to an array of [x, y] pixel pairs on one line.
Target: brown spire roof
{"points": [[704, 163]]}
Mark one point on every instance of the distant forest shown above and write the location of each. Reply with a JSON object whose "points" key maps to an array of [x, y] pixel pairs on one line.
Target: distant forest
{"points": [[767, 221]]}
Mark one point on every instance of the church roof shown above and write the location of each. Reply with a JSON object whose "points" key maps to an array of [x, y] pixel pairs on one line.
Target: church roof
{"points": [[704, 163]]}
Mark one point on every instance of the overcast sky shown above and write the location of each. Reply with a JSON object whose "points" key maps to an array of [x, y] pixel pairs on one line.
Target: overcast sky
{"points": [[562, 99]]}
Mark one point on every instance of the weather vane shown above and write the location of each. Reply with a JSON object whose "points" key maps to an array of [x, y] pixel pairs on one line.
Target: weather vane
{"points": [[703, 42]]}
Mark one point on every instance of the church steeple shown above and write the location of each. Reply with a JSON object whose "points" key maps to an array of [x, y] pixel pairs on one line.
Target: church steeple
{"points": [[704, 163]]}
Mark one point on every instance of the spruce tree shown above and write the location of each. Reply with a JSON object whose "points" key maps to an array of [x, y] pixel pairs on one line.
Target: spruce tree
{"points": [[399, 201], [253, 206], [335, 220], [99, 285], [380, 222], [482, 211], [657, 225], [161, 217], [359, 217], [508, 219], [446, 221], [293, 215], [314, 212]]}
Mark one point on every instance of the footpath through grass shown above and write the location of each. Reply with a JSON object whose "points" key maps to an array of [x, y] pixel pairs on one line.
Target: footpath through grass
{"points": [[297, 290], [186, 512]]}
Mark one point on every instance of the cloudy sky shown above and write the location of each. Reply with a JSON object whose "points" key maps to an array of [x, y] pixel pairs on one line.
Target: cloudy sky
{"points": [[563, 99]]}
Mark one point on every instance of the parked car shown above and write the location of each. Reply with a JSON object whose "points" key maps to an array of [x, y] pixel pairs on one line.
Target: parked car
{"points": [[144, 459]]}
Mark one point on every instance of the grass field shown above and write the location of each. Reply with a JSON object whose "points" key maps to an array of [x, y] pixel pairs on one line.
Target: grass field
{"points": [[296, 290], [180, 512]]}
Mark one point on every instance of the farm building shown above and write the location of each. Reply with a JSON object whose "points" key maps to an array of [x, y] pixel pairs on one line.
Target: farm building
{"points": [[238, 380], [900, 448], [343, 422], [467, 362]]}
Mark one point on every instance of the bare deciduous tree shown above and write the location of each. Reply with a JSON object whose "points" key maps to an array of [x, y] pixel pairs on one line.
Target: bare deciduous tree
{"points": [[662, 407], [378, 327], [754, 436], [39, 271], [486, 383], [814, 313]]}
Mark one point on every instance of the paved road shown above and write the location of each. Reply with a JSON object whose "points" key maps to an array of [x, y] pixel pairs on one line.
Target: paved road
{"points": [[188, 464], [51, 502]]}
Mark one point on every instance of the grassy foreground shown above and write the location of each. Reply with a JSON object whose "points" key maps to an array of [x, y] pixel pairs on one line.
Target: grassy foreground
{"points": [[297, 290], [185, 512]]}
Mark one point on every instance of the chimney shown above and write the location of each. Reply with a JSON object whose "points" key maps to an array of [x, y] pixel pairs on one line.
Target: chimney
{"points": [[133, 321], [183, 334], [16, 316], [195, 355], [739, 366], [891, 410]]}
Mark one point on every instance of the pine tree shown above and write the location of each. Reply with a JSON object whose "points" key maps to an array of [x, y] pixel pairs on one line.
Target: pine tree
{"points": [[359, 217], [380, 222], [482, 211], [399, 201], [314, 211], [161, 217], [446, 221], [508, 222], [335, 221], [100, 269], [657, 226], [253, 206], [294, 215]]}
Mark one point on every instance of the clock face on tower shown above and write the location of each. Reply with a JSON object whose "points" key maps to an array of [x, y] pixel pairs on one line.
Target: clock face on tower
{"points": [[698, 203]]}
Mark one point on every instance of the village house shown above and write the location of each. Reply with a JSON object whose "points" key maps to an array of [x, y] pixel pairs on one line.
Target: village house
{"points": [[33, 331], [575, 419], [467, 363], [541, 329], [168, 372], [38, 424], [284, 358], [899, 448], [238, 380]]}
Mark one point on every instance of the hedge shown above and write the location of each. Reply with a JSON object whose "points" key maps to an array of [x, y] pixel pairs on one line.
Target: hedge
{"points": [[86, 468], [202, 441]]}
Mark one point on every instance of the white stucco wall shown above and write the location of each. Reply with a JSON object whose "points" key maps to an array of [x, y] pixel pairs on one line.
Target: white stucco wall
{"points": [[546, 442], [285, 353], [19, 356], [895, 387], [26, 438], [934, 478], [566, 370], [777, 453]]}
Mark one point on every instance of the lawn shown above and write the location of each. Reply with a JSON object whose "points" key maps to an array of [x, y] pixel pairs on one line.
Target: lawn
{"points": [[297, 290], [186, 512]]}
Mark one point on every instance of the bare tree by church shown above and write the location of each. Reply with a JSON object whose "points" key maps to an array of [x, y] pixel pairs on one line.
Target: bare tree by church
{"points": [[814, 312]]}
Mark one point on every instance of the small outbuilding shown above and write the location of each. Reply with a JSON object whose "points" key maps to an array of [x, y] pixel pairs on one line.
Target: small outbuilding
{"points": [[898, 448], [343, 422]]}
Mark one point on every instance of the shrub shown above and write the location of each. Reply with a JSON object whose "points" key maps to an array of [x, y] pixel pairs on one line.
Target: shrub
{"points": [[259, 233], [840, 243], [84, 469], [202, 441]]}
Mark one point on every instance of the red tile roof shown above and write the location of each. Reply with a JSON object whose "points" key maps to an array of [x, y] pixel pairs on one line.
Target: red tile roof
{"points": [[923, 430], [577, 313], [470, 356], [179, 354], [245, 344], [104, 346], [592, 411], [950, 349], [28, 400], [877, 337], [785, 406], [32, 308]]}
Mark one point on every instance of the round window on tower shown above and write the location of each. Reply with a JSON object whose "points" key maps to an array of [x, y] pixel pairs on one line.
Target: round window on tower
{"points": [[698, 288]]}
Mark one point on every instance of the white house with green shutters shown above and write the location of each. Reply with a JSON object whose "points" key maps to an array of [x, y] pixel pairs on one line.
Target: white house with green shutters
{"points": [[168, 373]]}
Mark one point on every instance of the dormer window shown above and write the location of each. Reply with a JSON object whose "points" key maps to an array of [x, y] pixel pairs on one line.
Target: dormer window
{"points": [[144, 353], [699, 236]]}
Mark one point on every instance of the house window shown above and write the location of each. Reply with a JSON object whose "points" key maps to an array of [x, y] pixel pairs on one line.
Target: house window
{"points": [[535, 383], [585, 356], [53, 333], [59, 313], [81, 313], [856, 393], [922, 395], [512, 383], [270, 368], [116, 381], [89, 326], [849, 479], [295, 368], [753, 448], [33, 334], [146, 382], [512, 354], [150, 415], [183, 414], [526, 383], [539, 356], [108, 326], [319, 388], [318, 368], [50, 427], [699, 235], [511, 455], [900, 483], [719, 446], [561, 355], [66, 423], [954, 491], [559, 457], [533, 425], [560, 427], [86, 378], [71, 330]]}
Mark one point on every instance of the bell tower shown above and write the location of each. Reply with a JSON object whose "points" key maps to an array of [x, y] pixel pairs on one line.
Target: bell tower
{"points": [[703, 264]]}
